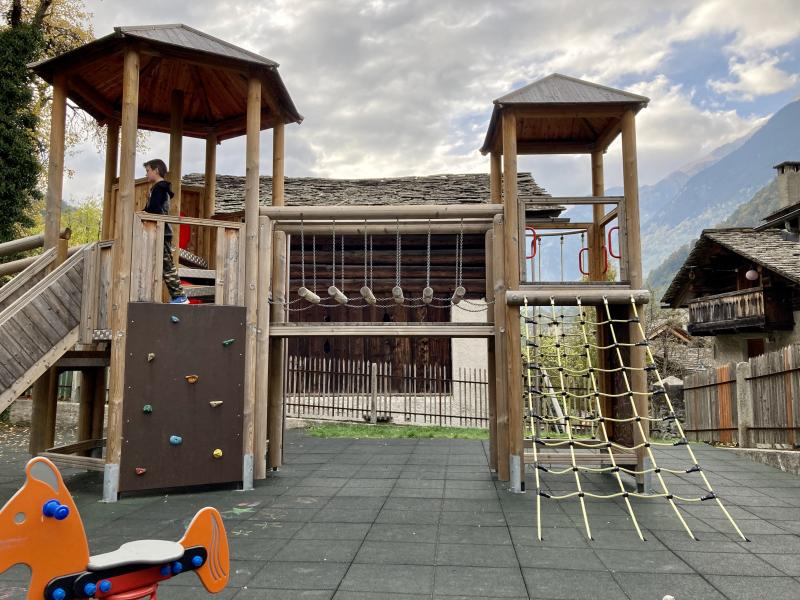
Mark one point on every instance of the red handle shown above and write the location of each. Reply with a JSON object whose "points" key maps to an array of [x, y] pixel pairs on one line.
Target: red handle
{"points": [[533, 243], [580, 261], [610, 245]]}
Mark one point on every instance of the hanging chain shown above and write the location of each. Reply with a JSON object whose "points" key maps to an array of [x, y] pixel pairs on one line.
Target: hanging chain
{"points": [[460, 255], [333, 254], [314, 260], [371, 275], [398, 254], [302, 253], [341, 264], [428, 258]]}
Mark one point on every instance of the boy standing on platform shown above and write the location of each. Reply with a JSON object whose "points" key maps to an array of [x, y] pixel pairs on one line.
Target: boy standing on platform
{"points": [[158, 203]]}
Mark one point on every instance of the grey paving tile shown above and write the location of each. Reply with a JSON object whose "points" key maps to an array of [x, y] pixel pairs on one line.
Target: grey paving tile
{"points": [[333, 531], [643, 561], [547, 557], [571, 585], [756, 588], [299, 576], [342, 595], [655, 586], [302, 550], [273, 594], [389, 532], [265, 529], [480, 582], [475, 555], [706, 563], [401, 553], [343, 515], [408, 516], [789, 544], [469, 534], [388, 579], [262, 549], [788, 564], [557, 537]]}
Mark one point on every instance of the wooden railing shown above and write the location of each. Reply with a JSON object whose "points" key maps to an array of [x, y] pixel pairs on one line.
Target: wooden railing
{"points": [[148, 248], [731, 310]]}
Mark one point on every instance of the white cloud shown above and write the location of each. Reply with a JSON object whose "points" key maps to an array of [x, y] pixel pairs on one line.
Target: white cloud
{"points": [[759, 76], [405, 87]]}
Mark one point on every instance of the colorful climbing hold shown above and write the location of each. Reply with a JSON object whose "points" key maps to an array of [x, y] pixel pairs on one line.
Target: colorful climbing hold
{"points": [[227, 343], [147, 409], [217, 453], [215, 403], [175, 440], [151, 356], [140, 471], [192, 378], [175, 319]]}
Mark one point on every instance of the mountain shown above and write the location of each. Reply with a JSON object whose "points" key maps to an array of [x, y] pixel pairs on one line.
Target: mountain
{"points": [[750, 214], [712, 193]]}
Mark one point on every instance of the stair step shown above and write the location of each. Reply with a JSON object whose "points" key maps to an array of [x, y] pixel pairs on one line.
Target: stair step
{"points": [[190, 273], [199, 291]]}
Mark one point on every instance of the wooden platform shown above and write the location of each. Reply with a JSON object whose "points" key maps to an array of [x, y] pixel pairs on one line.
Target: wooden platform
{"points": [[451, 330]]}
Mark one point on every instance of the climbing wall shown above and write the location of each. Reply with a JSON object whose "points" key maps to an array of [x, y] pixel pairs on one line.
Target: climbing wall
{"points": [[184, 396]]}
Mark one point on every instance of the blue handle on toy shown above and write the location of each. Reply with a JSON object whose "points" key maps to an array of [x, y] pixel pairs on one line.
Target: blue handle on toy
{"points": [[105, 586], [197, 561], [54, 509], [177, 567], [89, 589], [59, 594]]}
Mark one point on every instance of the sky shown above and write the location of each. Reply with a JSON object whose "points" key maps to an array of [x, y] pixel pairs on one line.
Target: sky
{"points": [[395, 88]]}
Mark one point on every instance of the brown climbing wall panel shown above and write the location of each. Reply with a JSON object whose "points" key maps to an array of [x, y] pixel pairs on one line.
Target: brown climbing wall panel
{"points": [[167, 345]]}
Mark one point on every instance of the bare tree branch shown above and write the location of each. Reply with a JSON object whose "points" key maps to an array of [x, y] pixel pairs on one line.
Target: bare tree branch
{"points": [[41, 13]]}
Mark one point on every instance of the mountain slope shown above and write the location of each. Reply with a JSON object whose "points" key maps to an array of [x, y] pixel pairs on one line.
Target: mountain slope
{"points": [[712, 193]]}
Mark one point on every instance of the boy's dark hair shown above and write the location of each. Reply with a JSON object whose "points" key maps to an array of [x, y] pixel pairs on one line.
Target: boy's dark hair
{"points": [[157, 165]]}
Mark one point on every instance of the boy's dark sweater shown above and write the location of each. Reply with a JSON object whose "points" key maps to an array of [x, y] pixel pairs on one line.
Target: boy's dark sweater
{"points": [[158, 203]]}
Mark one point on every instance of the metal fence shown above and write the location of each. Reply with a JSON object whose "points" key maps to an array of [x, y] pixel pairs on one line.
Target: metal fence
{"points": [[368, 391]]}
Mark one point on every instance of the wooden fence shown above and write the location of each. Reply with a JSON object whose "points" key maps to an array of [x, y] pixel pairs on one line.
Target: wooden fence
{"points": [[767, 395], [348, 390]]}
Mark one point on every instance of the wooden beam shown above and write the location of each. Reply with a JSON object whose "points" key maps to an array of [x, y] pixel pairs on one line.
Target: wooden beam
{"points": [[597, 264], [121, 270], [350, 329], [210, 177], [75, 462], [253, 152], [495, 178], [491, 395], [29, 243], [633, 247], [554, 147], [609, 217], [110, 178], [501, 372], [386, 213], [278, 318], [575, 111], [278, 165], [511, 251], [539, 295], [261, 413], [421, 228], [177, 220], [608, 135], [55, 162], [175, 165], [576, 200]]}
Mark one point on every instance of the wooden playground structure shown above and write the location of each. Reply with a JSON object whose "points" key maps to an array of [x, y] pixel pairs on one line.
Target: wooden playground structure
{"points": [[75, 311]]}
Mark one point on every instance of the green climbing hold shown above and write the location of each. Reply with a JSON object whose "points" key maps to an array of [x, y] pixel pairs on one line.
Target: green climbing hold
{"points": [[147, 409], [227, 343], [175, 319]]}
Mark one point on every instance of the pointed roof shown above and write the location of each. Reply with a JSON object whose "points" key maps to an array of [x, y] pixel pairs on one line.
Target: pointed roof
{"points": [[562, 89], [562, 114], [211, 72]]}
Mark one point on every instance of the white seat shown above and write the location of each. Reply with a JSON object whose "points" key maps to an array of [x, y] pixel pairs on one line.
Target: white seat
{"points": [[147, 552]]}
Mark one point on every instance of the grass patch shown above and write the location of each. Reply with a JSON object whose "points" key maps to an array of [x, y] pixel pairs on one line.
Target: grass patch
{"points": [[357, 430]]}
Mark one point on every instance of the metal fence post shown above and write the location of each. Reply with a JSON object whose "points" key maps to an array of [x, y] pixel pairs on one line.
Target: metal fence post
{"points": [[744, 404], [373, 384]]}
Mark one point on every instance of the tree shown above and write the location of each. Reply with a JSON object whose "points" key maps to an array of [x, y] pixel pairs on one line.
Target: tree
{"points": [[35, 29], [84, 219]]}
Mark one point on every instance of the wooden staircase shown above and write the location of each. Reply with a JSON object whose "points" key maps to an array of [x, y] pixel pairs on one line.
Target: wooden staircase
{"points": [[39, 321]]}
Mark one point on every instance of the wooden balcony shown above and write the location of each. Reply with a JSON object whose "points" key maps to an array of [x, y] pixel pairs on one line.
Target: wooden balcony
{"points": [[752, 310]]}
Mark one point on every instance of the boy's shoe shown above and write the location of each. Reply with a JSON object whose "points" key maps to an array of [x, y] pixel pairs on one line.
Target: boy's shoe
{"points": [[179, 300]]}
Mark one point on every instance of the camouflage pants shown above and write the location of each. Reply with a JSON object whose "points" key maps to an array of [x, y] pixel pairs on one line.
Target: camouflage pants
{"points": [[171, 279]]}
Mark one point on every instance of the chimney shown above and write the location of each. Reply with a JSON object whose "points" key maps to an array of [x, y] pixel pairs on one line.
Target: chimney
{"points": [[788, 183]]}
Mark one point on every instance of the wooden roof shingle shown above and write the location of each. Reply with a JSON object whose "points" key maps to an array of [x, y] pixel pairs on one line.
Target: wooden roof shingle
{"points": [[314, 191]]}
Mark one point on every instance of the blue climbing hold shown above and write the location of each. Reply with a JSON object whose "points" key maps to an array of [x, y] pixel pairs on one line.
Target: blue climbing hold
{"points": [[177, 567], [105, 586], [59, 594], [175, 440], [175, 319], [165, 571], [89, 589], [197, 561]]}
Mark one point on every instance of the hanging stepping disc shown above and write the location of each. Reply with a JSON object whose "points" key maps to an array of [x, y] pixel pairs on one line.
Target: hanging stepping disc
{"points": [[368, 296], [427, 295]]}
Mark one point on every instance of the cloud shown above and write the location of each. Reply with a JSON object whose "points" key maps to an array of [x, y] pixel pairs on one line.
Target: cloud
{"points": [[392, 87], [759, 76]]}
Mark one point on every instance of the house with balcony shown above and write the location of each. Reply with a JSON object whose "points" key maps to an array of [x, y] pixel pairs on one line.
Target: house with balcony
{"points": [[742, 285]]}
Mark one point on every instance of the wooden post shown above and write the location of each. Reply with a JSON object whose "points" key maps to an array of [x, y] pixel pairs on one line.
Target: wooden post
{"points": [[495, 179], [276, 353], [98, 408], [251, 270], [491, 388], [55, 163], [597, 263], [121, 270], [112, 154], [86, 404], [210, 196], [744, 404], [261, 415], [500, 373], [373, 393], [278, 164], [633, 250], [513, 334], [175, 165]]}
